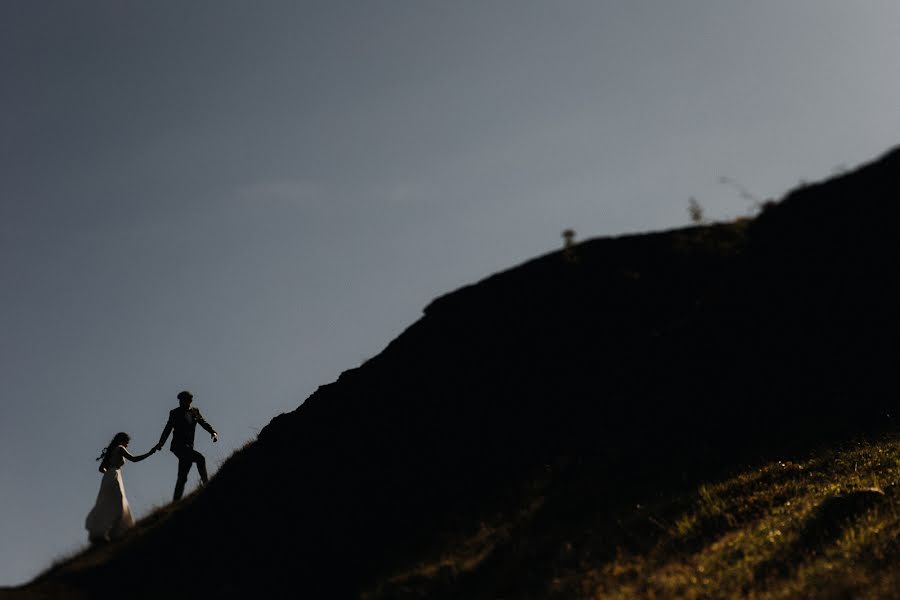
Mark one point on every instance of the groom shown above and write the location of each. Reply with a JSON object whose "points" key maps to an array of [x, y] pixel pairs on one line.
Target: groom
{"points": [[183, 421]]}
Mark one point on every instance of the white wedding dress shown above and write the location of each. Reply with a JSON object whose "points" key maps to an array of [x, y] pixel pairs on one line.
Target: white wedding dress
{"points": [[111, 516]]}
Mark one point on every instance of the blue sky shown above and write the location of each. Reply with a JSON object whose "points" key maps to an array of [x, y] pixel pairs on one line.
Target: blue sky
{"points": [[246, 198]]}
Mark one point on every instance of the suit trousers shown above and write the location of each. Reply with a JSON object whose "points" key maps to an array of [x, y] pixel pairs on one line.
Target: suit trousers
{"points": [[186, 457]]}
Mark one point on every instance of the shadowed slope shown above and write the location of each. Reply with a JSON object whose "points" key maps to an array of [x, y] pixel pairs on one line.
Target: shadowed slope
{"points": [[650, 361]]}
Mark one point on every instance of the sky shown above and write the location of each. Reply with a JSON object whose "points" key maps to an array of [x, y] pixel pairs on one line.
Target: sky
{"points": [[245, 199]]}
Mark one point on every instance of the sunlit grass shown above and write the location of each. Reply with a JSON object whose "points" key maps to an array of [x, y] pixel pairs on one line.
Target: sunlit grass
{"points": [[779, 531], [822, 525]]}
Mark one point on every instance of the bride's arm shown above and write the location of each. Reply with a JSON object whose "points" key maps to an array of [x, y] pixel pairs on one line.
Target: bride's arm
{"points": [[138, 458]]}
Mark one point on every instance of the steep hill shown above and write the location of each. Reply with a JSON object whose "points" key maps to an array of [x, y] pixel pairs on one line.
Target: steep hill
{"points": [[497, 447]]}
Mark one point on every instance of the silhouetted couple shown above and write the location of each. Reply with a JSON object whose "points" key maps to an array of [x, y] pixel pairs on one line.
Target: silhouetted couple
{"points": [[111, 515]]}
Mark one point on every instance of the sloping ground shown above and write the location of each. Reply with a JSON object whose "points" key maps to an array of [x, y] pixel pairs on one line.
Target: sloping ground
{"points": [[826, 525], [585, 381]]}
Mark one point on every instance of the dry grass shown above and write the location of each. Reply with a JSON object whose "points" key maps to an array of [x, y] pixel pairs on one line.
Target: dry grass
{"points": [[467, 553], [822, 526], [826, 526]]}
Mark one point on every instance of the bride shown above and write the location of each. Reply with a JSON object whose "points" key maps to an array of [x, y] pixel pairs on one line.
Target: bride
{"points": [[111, 515]]}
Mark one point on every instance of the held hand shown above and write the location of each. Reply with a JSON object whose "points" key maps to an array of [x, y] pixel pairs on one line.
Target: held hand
{"points": [[215, 437]]}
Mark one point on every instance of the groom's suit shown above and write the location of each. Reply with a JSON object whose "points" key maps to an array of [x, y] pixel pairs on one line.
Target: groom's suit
{"points": [[182, 424]]}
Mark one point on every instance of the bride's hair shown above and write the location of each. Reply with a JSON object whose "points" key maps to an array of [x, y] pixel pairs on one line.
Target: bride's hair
{"points": [[118, 440]]}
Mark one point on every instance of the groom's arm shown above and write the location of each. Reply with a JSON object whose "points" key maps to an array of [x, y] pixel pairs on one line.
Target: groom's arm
{"points": [[165, 434], [202, 423]]}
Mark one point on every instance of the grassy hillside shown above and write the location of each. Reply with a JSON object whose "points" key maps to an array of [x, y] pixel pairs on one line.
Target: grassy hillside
{"points": [[821, 525], [501, 446]]}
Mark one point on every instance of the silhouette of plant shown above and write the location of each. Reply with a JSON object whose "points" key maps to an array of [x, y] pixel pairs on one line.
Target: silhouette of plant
{"points": [[568, 236], [757, 205], [695, 211]]}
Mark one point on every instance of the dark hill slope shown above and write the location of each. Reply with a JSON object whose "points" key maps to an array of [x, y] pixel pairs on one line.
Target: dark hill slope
{"points": [[575, 383]]}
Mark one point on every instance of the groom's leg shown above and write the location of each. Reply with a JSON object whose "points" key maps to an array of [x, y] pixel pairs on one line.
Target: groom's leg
{"points": [[201, 466], [184, 465]]}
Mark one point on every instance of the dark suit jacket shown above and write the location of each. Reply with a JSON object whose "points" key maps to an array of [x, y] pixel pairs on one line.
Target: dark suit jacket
{"points": [[182, 423]]}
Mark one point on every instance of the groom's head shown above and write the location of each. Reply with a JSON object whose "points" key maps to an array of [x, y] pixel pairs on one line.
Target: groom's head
{"points": [[185, 398]]}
